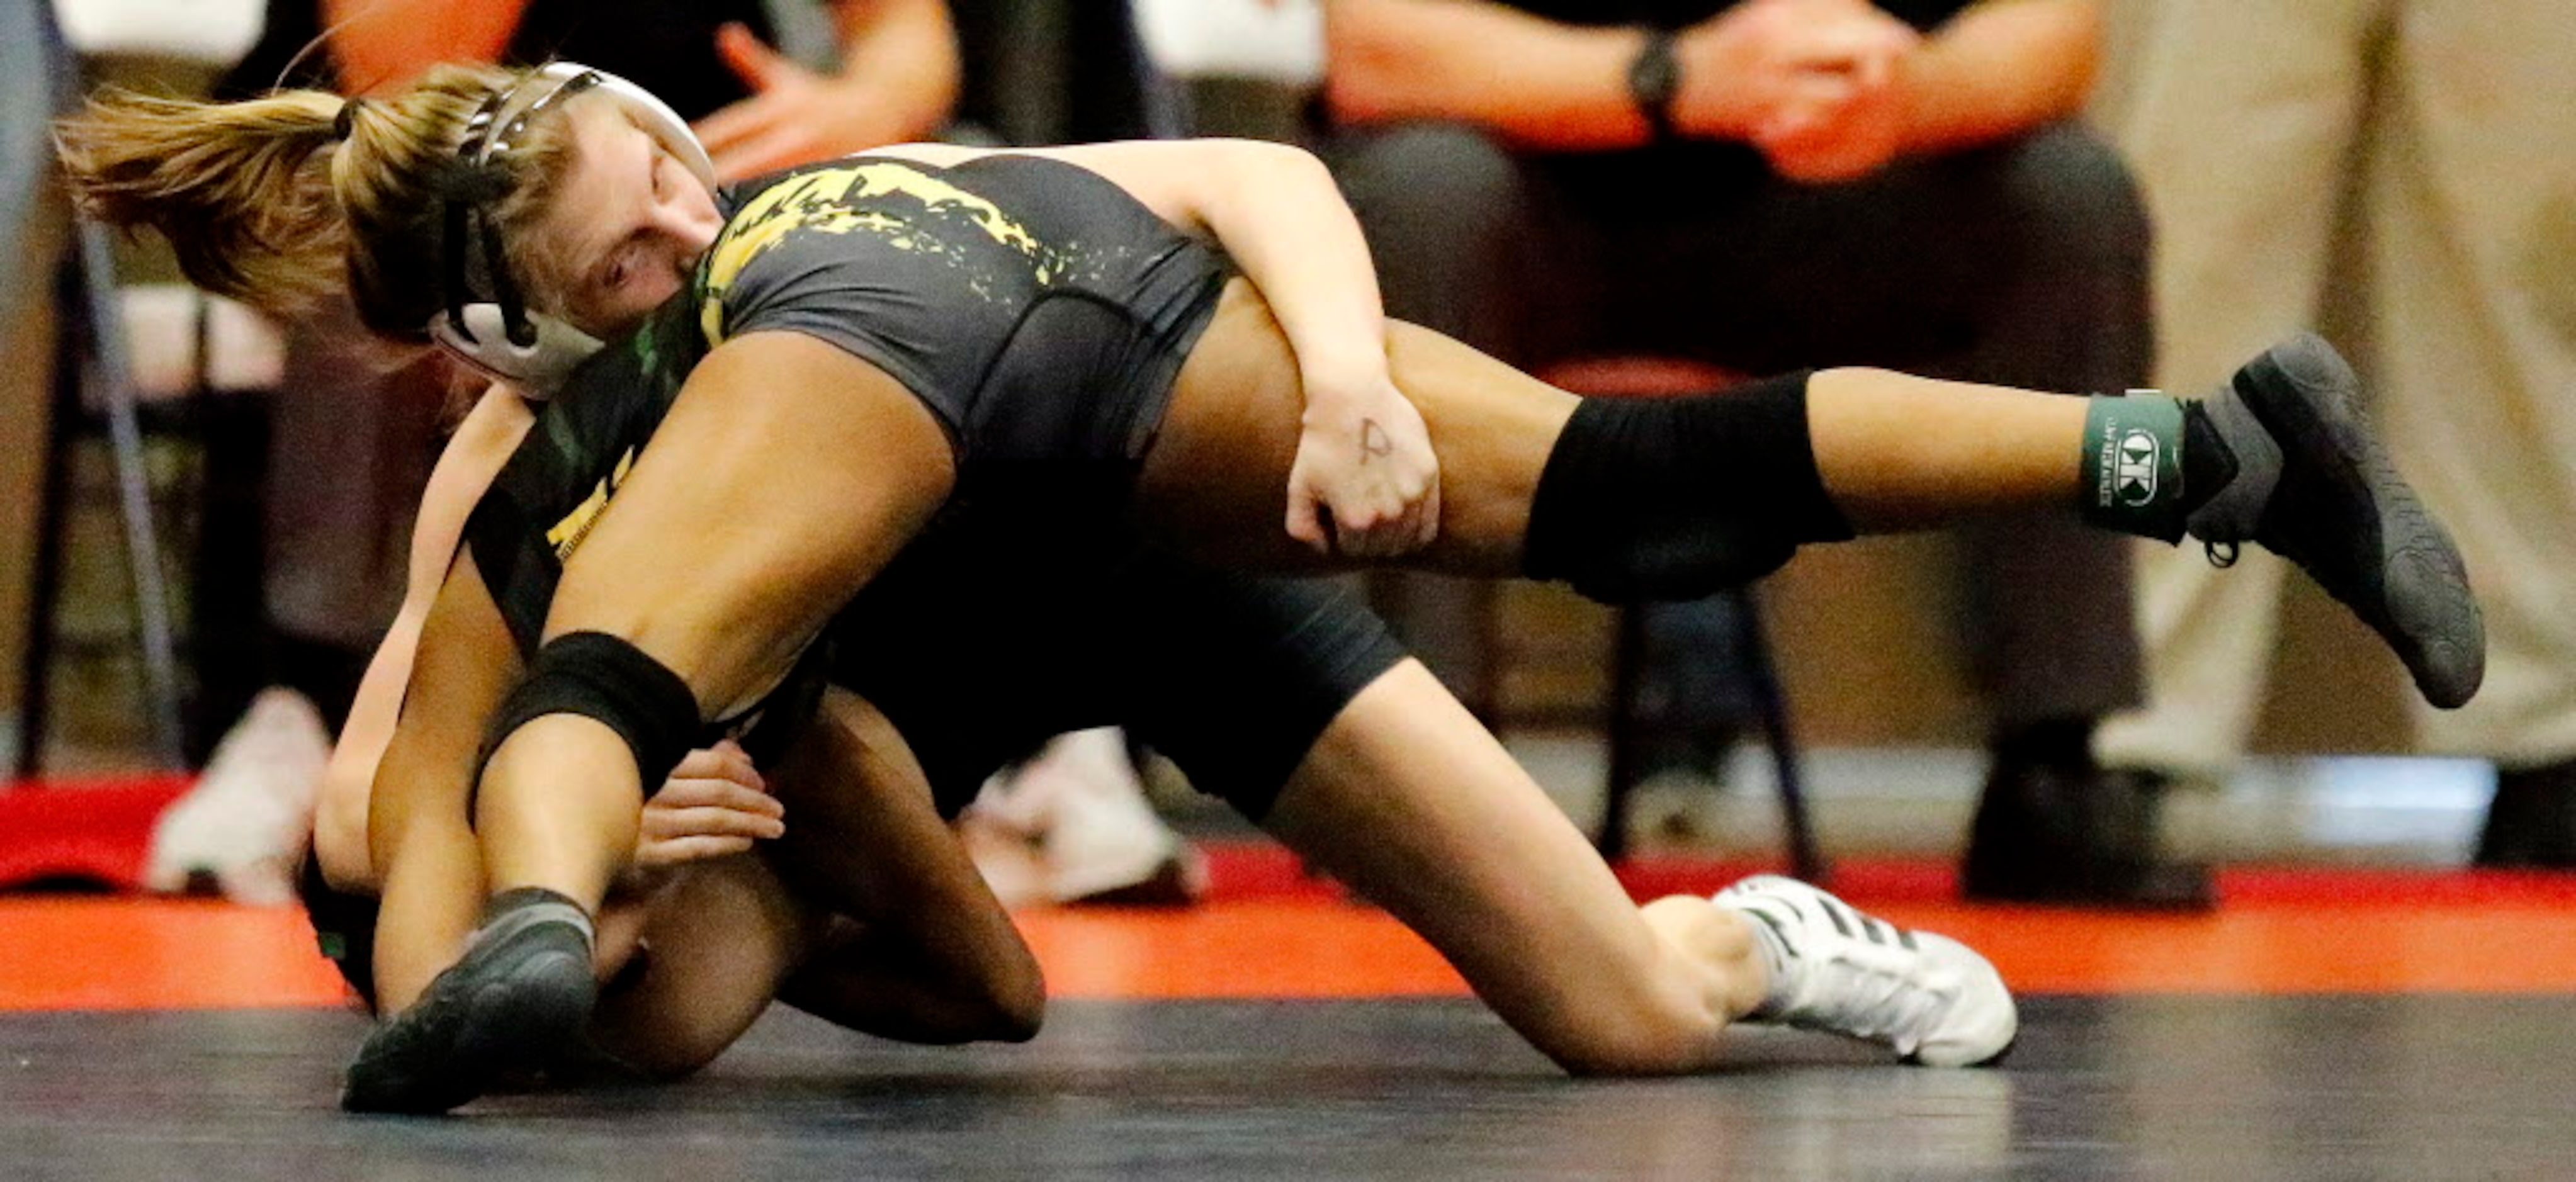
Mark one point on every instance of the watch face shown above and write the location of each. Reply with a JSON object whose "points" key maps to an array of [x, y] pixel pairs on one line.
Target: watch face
{"points": [[1655, 75]]}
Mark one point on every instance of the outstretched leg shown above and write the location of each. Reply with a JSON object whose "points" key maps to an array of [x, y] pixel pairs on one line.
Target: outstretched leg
{"points": [[1413, 804], [1674, 498]]}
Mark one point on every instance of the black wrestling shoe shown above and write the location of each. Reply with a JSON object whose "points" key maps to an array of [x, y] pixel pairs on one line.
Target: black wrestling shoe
{"points": [[518, 1002], [2531, 823], [2299, 474], [2078, 836]]}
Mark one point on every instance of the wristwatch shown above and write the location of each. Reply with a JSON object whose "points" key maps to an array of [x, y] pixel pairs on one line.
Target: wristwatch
{"points": [[1654, 77]]}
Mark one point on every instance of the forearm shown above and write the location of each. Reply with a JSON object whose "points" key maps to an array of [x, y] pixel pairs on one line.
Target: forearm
{"points": [[348, 780], [382, 43], [1540, 83], [1280, 216], [905, 51], [2000, 68]]}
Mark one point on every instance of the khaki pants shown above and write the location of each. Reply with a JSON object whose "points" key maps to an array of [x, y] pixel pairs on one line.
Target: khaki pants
{"points": [[2453, 124]]}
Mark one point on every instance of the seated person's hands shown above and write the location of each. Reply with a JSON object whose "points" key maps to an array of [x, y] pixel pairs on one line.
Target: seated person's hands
{"points": [[1365, 483], [1814, 84], [796, 116], [1838, 127], [714, 805]]}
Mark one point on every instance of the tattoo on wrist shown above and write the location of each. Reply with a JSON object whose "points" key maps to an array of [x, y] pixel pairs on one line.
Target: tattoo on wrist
{"points": [[1374, 441]]}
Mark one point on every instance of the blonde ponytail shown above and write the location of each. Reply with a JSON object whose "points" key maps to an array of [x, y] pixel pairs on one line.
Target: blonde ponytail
{"points": [[266, 202], [241, 190]]}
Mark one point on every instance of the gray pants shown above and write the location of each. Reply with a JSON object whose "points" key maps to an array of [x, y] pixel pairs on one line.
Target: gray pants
{"points": [[2023, 263]]}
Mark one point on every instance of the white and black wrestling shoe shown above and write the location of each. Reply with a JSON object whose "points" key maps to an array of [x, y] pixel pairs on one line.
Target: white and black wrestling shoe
{"points": [[1837, 969]]}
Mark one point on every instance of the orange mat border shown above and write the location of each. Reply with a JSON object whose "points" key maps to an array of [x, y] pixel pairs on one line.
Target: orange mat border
{"points": [[99, 953]]}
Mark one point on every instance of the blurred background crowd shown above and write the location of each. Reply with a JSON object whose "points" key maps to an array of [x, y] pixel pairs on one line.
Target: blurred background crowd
{"points": [[203, 516]]}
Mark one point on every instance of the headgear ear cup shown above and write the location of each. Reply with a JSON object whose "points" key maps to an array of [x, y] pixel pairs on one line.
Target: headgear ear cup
{"points": [[479, 331], [485, 345]]}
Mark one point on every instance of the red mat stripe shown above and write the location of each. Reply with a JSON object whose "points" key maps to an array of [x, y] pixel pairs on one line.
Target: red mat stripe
{"points": [[1260, 870]]}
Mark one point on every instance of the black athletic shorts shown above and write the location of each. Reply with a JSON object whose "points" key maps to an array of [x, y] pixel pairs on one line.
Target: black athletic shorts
{"points": [[1231, 676]]}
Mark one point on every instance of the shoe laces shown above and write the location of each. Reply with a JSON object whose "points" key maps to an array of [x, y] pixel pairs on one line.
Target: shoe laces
{"points": [[1847, 984], [1873, 993]]}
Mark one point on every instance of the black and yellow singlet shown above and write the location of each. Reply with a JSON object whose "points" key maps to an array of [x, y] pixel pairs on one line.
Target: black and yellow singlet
{"points": [[1038, 310], [1042, 315]]}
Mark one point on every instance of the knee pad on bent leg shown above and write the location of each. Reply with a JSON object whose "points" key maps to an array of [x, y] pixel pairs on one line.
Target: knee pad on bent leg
{"points": [[1679, 498], [602, 677]]}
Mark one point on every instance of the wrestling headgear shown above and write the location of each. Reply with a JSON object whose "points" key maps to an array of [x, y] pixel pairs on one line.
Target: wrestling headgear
{"points": [[487, 323]]}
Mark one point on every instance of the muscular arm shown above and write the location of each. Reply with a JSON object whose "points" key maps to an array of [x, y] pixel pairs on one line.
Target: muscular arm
{"points": [[1276, 210], [1541, 83], [1365, 481], [1999, 68]]}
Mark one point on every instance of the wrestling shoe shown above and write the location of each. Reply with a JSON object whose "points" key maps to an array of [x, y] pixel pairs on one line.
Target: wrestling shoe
{"points": [[2077, 835], [2295, 470], [518, 1002], [1836, 969]]}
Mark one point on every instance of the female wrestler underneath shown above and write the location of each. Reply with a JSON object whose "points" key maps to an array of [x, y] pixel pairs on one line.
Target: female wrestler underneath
{"points": [[894, 343], [907, 943]]}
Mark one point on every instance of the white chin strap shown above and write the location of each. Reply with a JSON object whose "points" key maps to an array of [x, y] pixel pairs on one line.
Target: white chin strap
{"points": [[484, 344], [485, 347]]}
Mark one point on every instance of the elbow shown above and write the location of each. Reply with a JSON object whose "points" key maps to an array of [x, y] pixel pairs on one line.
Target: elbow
{"points": [[1360, 96], [1364, 70], [1015, 1008], [1266, 159], [2075, 49], [1017, 1025], [1249, 171]]}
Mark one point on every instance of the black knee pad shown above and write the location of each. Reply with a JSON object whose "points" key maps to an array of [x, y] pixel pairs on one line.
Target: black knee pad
{"points": [[1679, 498], [599, 676]]}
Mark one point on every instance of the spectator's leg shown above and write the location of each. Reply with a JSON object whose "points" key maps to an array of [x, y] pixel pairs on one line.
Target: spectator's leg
{"points": [[2050, 621], [2019, 264], [2241, 257], [2472, 206]]}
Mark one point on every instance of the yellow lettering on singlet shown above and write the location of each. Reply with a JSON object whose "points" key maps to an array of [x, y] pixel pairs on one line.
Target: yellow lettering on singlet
{"points": [[568, 533], [822, 201]]}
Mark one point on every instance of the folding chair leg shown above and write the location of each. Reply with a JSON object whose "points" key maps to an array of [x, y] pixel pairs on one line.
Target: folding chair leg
{"points": [[1806, 861], [45, 585], [1624, 731], [105, 331]]}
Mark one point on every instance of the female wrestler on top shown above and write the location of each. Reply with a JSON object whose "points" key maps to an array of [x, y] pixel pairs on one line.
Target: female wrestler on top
{"points": [[893, 350]]}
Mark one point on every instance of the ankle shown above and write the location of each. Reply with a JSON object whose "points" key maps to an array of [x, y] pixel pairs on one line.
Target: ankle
{"points": [[2230, 464], [518, 908], [2061, 742], [2133, 474]]}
